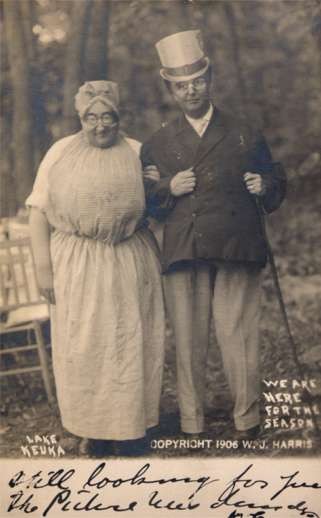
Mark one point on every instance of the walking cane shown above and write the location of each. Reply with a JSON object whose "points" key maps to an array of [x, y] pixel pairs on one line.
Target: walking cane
{"points": [[305, 391]]}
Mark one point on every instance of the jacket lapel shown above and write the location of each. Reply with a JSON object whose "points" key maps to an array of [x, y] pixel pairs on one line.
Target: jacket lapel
{"points": [[214, 133], [184, 142]]}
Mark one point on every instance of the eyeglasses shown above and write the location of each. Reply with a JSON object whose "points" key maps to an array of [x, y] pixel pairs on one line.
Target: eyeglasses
{"points": [[197, 83], [92, 120]]}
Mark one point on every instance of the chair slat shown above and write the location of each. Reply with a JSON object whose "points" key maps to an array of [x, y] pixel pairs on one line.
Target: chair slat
{"points": [[5, 259], [12, 372], [23, 290], [3, 289], [18, 282], [18, 349], [10, 243]]}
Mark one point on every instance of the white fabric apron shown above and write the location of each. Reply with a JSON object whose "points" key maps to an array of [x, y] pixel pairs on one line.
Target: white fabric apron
{"points": [[108, 322]]}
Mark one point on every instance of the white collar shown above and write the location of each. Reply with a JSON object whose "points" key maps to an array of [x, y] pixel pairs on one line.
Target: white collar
{"points": [[206, 117], [200, 125]]}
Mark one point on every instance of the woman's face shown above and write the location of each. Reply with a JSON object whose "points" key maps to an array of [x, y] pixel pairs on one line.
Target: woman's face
{"points": [[100, 125]]}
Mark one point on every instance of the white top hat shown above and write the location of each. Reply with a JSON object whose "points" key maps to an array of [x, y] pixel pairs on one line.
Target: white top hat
{"points": [[182, 56]]}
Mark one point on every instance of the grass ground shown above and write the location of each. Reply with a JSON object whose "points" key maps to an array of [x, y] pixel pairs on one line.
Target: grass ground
{"points": [[24, 410]]}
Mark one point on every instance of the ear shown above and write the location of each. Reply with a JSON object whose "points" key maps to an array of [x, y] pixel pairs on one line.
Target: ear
{"points": [[209, 75], [168, 85]]}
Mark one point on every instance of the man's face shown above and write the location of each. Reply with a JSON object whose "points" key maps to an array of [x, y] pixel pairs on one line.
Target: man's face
{"points": [[100, 125], [192, 96]]}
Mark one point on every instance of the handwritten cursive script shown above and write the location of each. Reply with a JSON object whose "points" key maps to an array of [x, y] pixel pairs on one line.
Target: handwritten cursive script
{"points": [[244, 495]]}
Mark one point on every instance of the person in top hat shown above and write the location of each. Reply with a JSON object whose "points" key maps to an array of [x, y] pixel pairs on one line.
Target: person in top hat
{"points": [[213, 169]]}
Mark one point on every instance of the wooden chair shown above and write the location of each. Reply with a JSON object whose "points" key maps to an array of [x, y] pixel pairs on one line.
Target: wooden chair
{"points": [[24, 309]]}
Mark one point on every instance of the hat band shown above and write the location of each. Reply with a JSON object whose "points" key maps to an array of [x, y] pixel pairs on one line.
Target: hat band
{"points": [[186, 70]]}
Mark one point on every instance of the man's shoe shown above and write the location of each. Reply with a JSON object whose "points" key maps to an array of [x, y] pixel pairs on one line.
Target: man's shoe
{"points": [[132, 448]]}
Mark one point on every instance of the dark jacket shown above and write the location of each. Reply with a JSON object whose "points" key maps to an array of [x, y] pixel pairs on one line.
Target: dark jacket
{"points": [[220, 219]]}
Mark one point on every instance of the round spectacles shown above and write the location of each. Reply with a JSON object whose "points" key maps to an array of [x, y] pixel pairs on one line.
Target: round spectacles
{"points": [[197, 83], [92, 120]]}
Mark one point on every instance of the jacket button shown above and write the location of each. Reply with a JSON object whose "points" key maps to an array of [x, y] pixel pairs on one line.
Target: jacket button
{"points": [[194, 214]]}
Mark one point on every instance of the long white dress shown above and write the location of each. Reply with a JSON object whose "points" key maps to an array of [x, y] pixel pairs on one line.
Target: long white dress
{"points": [[108, 321]]}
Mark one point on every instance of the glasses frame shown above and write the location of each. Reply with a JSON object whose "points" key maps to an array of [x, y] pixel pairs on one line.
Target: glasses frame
{"points": [[198, 83], [95, 119]]}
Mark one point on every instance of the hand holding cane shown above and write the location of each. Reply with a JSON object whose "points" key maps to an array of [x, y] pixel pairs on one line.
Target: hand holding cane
{"points": [[280, 298]]}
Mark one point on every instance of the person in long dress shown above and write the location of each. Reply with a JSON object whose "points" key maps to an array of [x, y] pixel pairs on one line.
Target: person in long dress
{"points": [[97, 265]]}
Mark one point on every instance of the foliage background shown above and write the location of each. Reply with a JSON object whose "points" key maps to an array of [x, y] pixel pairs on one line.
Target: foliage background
{"points": [[266, 57]]}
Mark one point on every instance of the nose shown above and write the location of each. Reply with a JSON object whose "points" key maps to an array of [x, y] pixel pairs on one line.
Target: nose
{"points": [[99, 124], [190, 88]]}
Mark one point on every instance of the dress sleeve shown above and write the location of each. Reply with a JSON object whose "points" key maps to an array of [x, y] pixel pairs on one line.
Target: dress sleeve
{"points": [[39, 194], [159, 198], [134, 144]]}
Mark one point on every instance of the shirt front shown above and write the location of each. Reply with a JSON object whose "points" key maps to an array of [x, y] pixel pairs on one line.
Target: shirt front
{"points": [[200, 125]]}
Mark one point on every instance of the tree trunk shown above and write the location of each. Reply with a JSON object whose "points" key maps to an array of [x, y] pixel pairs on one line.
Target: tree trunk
{"points": [[316, 25], [74, 62], [96, 64], [181, 14], [8, 204], [41, 137], [22, 128], [235, 47], [27, 19], [7, 187]]}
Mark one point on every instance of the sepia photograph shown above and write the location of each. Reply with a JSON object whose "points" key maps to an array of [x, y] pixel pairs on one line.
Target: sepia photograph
{"points": [[160, 258]]}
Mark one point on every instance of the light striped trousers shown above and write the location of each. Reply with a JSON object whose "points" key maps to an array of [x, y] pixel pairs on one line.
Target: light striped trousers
{"points": [[231, 294]]}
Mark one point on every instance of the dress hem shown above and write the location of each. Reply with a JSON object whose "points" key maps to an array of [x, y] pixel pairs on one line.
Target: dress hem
{"points": [[113, 436]]}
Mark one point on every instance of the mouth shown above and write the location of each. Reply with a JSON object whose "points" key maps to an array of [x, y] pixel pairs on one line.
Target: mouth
{"points": [[102, 134], [193, 101], [104, 138]]}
